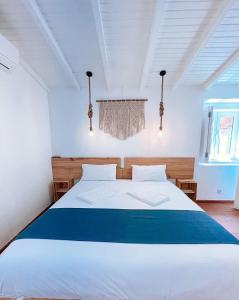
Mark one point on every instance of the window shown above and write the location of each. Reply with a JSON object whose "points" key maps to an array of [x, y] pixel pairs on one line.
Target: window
{"points": [[223, 135]]}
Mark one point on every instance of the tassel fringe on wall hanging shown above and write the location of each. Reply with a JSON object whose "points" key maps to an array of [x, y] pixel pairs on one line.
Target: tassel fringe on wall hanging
{"points": [[121, 118]]}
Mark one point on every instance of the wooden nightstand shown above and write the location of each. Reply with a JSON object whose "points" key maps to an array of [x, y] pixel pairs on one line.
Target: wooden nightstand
{"points": [[60, 187], [189, 187]]}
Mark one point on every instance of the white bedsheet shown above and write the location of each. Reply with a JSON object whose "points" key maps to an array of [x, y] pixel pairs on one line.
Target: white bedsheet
{"points": [[109, 271]]}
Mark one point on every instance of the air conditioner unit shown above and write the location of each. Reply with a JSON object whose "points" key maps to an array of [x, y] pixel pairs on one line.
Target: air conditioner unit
{"points": [[9, 54]]}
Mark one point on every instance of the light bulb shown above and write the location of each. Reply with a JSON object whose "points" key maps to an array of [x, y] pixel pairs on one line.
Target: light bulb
{"points": [[160, 132], [91, 133]]}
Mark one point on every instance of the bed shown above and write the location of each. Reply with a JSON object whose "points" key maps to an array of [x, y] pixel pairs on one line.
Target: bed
{"points": [[94, 270]]}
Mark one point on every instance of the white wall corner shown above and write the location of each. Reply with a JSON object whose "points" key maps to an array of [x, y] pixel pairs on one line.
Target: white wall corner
{"points": [[34, 75]]}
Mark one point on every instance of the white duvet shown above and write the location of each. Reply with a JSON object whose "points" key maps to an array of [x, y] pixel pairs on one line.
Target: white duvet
{"points": [[109, 271]]}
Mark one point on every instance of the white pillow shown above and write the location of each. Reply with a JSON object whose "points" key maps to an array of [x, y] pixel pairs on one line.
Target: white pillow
{"points": [[99, 172], [149, 173]]}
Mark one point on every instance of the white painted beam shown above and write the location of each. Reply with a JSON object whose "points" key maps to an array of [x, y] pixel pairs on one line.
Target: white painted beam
{"points": [[34, 10], [222, 69], [101, 40], [200, 41], [153, 39], [34, 75]]}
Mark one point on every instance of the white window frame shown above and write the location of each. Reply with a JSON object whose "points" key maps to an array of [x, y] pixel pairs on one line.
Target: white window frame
{"points": [[213, 107]]}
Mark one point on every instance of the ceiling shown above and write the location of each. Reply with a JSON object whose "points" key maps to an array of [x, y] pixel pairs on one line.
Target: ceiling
{"points": [[126, 43]]}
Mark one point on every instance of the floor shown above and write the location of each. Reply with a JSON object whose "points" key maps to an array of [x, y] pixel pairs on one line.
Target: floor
{"points": [[225, 214]]}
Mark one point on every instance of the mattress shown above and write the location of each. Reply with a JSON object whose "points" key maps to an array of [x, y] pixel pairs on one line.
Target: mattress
{"points": [[95, 271]]}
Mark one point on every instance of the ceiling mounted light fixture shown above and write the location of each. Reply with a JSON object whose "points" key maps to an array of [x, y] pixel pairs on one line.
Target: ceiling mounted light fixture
{"points": [[161, 106], [90, 108]]}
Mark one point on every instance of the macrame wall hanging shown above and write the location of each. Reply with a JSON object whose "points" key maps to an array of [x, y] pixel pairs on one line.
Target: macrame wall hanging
{"points": [[122, 118]]}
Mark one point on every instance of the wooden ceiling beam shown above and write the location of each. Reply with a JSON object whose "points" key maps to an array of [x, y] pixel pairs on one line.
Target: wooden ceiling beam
{"points": [[153, 39], [200, 41], [101, 40], [40, 21], [222, 69]]}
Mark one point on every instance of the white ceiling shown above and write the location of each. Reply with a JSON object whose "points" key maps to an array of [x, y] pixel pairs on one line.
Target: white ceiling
{"points": [[18, 26], [126, 26], [223, 43], [126, 43]]}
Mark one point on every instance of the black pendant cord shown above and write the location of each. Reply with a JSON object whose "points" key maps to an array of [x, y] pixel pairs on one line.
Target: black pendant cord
{"points": [[162, 90], [90, 109], [161, 106], [89, 91]]}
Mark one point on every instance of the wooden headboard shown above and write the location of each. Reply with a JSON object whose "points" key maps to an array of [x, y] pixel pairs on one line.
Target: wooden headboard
{"points": [[71, 167], [177, 167]]}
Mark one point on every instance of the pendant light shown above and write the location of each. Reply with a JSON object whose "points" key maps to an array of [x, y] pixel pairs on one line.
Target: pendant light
{"points": [[161, 106], [90, 108]]}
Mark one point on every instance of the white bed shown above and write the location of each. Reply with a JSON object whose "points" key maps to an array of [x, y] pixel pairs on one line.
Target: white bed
{"points": [[108, 271]]}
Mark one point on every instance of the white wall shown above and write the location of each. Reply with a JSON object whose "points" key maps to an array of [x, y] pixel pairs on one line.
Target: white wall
{"points": [[218, 182], [182, 132], [182, 125], [25, 151], [236, 204], [222, 92]]}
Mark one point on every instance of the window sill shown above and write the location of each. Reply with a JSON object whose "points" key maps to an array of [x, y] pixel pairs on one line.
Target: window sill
{"points": [[214, 164]]}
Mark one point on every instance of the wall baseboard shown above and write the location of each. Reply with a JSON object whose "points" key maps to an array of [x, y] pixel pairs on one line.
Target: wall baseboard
{"points": [[215, 201], [12, 239]]}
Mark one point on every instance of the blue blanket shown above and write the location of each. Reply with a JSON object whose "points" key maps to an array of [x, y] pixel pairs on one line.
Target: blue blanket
{"points": [[128, 226]]}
